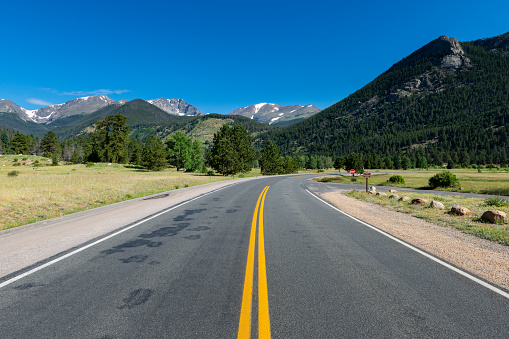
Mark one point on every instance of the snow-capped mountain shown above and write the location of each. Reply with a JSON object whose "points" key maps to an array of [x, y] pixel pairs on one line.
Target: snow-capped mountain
{"points": [[8, 106], [84, 105], [87, 105], [274, 114], [175, 107]]}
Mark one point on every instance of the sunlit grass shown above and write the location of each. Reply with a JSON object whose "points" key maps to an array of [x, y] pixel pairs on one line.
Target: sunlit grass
{"points": [[470, 182], [46, 192], [470, 223]]}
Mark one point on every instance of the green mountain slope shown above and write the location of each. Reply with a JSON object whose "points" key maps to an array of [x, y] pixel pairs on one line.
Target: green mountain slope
{"points": [[450, 98]]}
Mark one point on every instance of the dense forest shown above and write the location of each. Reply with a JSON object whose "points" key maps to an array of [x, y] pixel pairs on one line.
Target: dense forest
{"points": [[460, 115]]}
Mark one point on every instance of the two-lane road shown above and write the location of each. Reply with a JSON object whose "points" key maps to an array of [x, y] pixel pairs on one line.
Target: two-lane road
{"points": [[182, 274]]}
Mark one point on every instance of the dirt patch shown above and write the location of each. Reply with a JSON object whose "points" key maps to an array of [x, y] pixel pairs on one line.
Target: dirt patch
{"points": [[483, 258]]}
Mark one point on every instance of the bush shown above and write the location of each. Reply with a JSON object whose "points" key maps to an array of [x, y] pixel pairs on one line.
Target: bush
{"points": [[13, 174], [496, 201], [443, 179], [17, 164], [397, 179]]}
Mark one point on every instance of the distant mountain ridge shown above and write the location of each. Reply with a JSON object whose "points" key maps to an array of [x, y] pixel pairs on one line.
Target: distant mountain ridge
{"points": [[276, 115], [88, 105]]}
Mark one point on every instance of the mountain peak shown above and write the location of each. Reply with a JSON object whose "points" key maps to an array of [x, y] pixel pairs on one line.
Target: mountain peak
{"points": [[175, 107], [273, 114], [446, 53]]}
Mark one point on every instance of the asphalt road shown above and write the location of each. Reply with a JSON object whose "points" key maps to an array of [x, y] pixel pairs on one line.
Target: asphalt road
{"points": [[182, 274]]}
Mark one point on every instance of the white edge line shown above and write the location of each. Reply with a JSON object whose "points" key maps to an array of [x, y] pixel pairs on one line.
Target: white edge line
{"points": [[54, 261], [427, 255]]}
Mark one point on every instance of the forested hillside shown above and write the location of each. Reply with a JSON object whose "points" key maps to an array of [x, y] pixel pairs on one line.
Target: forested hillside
{"points": [[444, 105]]}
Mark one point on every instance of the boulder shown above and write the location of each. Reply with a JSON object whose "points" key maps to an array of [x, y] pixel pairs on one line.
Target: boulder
{"points": [[460, 210], [392, 191], [371, 192], [382, 194], [394, 196], [419, 201], [405, 198], [437, 204], [371, 188], [494, 216]]}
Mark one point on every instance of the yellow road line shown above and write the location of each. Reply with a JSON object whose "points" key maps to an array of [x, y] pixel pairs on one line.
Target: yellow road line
{"points": [[247, 296], [263, 298]]}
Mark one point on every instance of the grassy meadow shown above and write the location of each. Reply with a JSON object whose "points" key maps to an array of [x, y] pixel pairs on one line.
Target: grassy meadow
{"points": [[29, 194], [486, 182]]}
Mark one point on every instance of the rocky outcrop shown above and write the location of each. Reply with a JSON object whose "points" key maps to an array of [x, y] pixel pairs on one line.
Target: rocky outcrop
{"points": [[446, 52]]}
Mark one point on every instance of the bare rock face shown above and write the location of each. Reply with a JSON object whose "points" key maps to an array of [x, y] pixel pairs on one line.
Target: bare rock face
{"points": [[494, 216], [448, 50], [437, 205], [460, 210]]}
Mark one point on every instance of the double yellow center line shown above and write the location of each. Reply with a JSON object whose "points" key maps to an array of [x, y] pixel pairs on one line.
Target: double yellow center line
{"points": [[247, 297]]}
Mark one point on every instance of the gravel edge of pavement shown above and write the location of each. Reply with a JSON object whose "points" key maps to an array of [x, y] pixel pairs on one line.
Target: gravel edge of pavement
{"points": [[484, 258]]}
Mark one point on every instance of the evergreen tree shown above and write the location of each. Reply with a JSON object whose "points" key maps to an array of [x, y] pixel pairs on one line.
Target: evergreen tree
{"points": [[50, 144], [353, 161], [135, 151], [5, 142], [339, 163], [270, 162], [20, 144], [289, 165], [232, 152], [154, 154], [115, 136]]}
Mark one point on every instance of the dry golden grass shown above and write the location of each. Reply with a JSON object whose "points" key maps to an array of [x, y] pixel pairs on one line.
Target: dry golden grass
{"points": [[47, 192]]}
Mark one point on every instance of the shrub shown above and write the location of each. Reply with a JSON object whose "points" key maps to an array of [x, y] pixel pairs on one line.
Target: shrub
{"points": [[443, 179], [496, 201], [397, 179], [13, 174], [15, 160]]}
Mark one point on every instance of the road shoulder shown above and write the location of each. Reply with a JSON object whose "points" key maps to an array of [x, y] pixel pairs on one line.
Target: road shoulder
{"points": [[486, 259]]}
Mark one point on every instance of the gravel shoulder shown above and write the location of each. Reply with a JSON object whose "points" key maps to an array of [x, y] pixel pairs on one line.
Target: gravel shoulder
{"points": [[481, 257]]}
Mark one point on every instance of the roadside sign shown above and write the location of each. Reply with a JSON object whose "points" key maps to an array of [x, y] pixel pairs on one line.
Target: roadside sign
{"points": [[367, 175], [352, 171]]}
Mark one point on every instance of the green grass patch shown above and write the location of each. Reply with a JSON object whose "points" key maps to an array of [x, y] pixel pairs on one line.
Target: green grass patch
{"points": [[470, 223]]}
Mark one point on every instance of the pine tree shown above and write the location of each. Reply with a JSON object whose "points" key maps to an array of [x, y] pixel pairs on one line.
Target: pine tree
{"points": [[154, 154], [115, 136], [270, 162], [231, 152]]}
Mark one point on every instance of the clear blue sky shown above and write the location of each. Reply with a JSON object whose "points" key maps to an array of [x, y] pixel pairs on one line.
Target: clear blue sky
{"points": [[221, 55]]}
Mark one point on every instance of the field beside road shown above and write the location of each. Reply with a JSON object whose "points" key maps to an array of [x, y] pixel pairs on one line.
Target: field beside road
{"points": [[471, 181], [31, 193]]}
